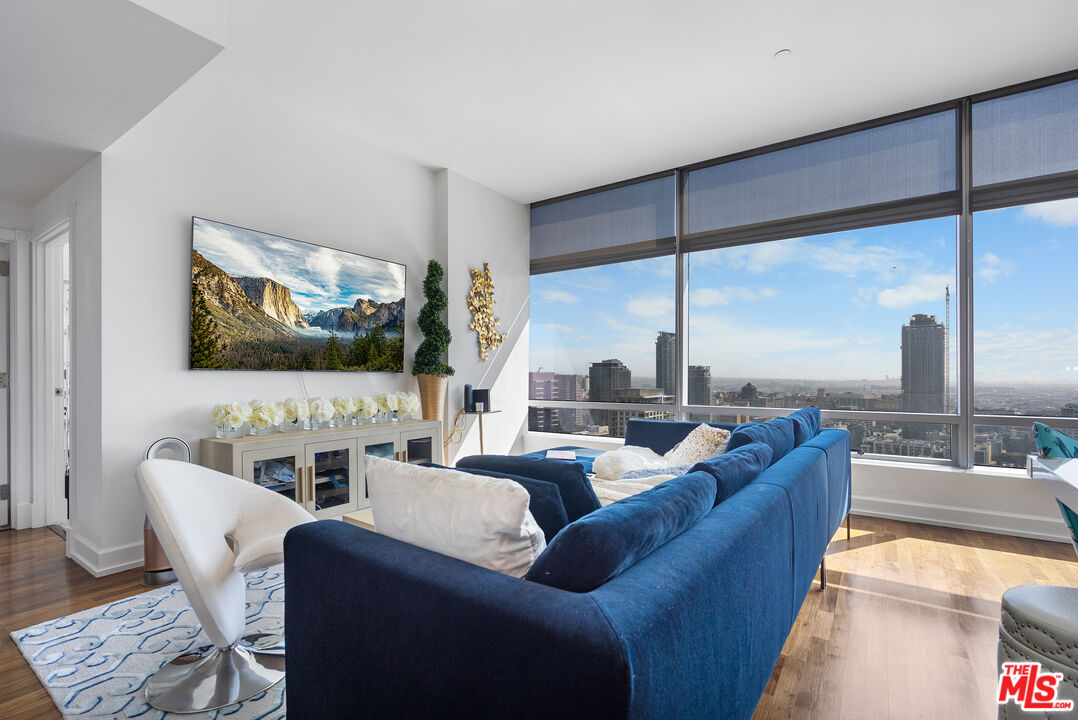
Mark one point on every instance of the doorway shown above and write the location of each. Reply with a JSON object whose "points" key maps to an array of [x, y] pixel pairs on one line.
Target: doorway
{"points": [[5, 303], [52, 372]]}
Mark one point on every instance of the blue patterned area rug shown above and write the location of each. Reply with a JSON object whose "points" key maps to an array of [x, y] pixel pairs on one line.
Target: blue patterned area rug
{"points": [[95, 663]]}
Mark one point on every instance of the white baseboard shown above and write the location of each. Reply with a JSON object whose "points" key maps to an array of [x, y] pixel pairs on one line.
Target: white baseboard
{"points": [[100, 562], [1036, 527]]}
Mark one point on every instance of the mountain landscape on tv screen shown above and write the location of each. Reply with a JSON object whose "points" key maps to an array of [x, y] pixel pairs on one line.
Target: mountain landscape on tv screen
{"points": [[287, 305]]}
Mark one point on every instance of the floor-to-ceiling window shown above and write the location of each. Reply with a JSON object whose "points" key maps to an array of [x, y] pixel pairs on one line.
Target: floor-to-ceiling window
{"points": [[907, 276]]}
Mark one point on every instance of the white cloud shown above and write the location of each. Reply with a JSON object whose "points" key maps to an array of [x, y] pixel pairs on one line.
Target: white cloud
{"points": [[921, 288], [709, 297], [558, 296], [651, 307], [561, 328], [991, 268], [1058, 213]]}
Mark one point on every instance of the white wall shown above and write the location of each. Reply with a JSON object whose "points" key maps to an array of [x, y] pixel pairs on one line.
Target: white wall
{"points": [[482, 225], [988, 499], [217, 149], [16, 217], [80, 197]]}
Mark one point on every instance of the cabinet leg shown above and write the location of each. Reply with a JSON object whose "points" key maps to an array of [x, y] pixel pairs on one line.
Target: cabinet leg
{"points": [[823, 573]]}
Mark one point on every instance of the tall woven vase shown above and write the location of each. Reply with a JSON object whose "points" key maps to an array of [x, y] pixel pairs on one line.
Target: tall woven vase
{"points": [[432, 390]]}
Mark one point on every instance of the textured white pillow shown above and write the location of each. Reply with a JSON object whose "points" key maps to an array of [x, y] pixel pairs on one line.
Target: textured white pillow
{"points": [[702, 443], [483, 520], [612, 464]]}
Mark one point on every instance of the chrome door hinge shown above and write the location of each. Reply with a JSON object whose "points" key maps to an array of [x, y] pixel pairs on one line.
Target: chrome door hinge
{"points": [[3, 380], [5, 492]]}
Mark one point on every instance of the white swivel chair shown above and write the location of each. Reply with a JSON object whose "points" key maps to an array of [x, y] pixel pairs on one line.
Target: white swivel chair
{"points": [[214, 527]]}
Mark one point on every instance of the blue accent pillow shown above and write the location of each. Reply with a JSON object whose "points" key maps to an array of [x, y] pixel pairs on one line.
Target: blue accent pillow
{"points": [[584, 456], [1053, 443], [674, 470], [806, 424], [576, 492], [544, 502], [777, 434], [735, 468], [609, 541]]}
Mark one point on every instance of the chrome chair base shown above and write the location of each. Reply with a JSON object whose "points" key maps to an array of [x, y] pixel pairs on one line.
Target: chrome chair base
{"points": [[263, 643], [207, 678]]}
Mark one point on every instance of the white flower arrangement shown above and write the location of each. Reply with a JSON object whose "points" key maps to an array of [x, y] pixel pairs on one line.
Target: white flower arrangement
{"points": [[322, 409], [410, 404], [265, 415], [296, 411], [231, 415], [366, 406], [388, 402], [344, 406]]}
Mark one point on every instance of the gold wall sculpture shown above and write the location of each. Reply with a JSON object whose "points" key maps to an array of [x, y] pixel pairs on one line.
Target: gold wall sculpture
{"points": [[481, 304]]}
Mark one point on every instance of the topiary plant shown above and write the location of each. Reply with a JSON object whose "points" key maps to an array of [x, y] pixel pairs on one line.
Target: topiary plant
{"points": [[430, 355]]}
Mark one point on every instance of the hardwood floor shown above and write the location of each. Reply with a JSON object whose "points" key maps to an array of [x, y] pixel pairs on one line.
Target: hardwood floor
{"points": [[37, 583], [908, 624], [906, 628]]}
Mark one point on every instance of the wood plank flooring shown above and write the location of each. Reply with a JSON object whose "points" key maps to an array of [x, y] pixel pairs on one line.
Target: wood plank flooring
{"points": [[908, 624], [906, 628], [37, 583]]}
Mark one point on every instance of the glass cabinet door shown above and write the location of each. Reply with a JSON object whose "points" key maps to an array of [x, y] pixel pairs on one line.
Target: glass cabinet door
{"points": [[383, 445], [331, 478], [421, 446], [275, 469]]}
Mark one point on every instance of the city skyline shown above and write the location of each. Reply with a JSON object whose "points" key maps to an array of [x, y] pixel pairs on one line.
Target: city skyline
{"points": [[757, 311]]}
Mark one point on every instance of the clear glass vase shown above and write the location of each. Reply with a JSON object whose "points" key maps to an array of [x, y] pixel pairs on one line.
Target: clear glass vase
{"points": [[319, 424], [226, 431], [297, 426], [263, 430]]}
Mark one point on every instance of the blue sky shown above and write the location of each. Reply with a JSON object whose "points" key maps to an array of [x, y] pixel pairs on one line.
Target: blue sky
{"points": [[830, 307], [319, 277]]}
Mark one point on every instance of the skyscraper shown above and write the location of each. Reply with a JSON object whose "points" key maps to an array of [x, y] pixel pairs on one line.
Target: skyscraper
{"points": [[603, 379], [924, 343], [607, 376], [666, 362], [699, 385], [554, 386]]}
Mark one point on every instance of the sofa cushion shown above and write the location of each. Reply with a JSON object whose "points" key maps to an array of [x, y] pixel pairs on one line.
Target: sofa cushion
{"points": [[661, 435], [735, 469], [778, 434], [584, 456], [482, 520], [545, 503], [599, 547], [576, 492], [806, 424]]}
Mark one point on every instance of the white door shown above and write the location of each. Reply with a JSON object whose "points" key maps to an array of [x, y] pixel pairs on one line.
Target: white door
{"points": [[5, 486]]}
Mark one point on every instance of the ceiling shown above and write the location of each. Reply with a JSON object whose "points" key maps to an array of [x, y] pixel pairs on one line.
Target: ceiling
{"points": [[533, 99], [537, 99], [76, 75]]}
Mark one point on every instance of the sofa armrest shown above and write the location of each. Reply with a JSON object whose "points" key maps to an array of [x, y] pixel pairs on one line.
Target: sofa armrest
{"points": [[387, 629]]}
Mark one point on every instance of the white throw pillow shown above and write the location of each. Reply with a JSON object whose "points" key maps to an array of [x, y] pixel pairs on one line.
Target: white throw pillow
{"points": [[612, 464], [483, 520], [702, 443]]}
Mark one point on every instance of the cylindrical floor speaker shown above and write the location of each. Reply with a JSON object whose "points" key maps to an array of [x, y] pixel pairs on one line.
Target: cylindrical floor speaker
{"points": [[156, 568]]}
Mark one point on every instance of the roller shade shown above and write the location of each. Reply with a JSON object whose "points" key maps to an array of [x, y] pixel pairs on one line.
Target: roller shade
{"points": [[899, 161], [631, 215], [1026, 135]]}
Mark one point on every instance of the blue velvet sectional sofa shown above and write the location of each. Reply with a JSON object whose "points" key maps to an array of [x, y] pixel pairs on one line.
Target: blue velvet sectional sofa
{"points": [[690, 626]]}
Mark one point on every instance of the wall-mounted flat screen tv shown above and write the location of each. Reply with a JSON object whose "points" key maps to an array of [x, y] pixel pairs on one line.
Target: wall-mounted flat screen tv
{"points": [[265, 302]]}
